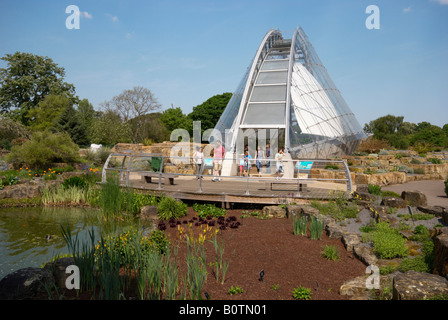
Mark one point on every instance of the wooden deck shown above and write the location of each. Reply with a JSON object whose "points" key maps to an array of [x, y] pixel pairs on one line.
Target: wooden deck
{"points": [[237, 189]]}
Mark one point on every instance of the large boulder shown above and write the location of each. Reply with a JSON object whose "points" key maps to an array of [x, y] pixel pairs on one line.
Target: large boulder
{"points": [[149, 213], [365, 254], [393, 202], [351, 240], [414, 285], [25, 284], [20, 191], [414, 198], [438, 211], [441, 254], [58, 269], [274, 212]]}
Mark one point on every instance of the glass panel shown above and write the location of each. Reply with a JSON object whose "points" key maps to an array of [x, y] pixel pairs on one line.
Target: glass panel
{"points": [[265, 113], [272, 77], [278, 55], [269, 93], [275, 64]]}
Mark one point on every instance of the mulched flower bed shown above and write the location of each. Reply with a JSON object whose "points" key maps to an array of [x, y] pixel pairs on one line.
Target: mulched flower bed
{"points": [[288, 260]]}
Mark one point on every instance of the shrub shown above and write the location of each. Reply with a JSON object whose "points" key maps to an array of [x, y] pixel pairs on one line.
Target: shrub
{"points": [[235, 290], [435, 160], [301, 293], [43, 149], [208, 210], [330, 253], [387, 242], [338, 208], [75, 181], [374, 189], [171, 208], [415, 263]]}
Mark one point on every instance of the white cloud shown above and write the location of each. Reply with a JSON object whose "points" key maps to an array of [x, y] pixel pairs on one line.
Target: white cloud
{"points": [[112, 17], [408, 9], [85, 14], [442, 2]]}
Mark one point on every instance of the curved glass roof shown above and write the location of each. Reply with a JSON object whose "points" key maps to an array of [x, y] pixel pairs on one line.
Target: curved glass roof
{"points": [[287, 88]]}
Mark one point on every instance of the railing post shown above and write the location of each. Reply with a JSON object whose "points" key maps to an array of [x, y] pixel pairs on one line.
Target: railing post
{"points": [[348, 176], [160, 174], [201, 172], [106, 164], [128, 171]]}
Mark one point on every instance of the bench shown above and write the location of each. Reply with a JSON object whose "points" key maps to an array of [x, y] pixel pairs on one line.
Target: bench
{"points": [[268, 183], [167, 176]]}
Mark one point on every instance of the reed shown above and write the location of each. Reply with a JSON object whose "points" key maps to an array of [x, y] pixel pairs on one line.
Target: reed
{"points": [[316, 228], [196, 268], [221, 266], [300, 225]]}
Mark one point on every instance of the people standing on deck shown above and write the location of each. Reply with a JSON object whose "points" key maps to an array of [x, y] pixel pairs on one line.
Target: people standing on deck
{"points": [[259, 159], [247, 164], [218, 157], [268, 155], [198, 160], [279, 160], [241, 165]]}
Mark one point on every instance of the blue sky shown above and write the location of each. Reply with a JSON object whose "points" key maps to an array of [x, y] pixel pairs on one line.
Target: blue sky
{"points": [[187, 51]]}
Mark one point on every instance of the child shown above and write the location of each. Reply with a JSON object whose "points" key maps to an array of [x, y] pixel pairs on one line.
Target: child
{"points": [[247, 164], [241, 164]]}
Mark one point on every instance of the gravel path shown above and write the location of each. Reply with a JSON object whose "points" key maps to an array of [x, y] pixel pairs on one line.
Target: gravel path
{"points": [[433, 189]]}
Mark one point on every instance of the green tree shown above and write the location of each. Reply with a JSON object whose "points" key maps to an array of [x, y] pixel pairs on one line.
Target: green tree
{"points": [[46, 114], [149, 127], [210, 111], [70, 122], [10, 130], [174, 118], [108, 129], [384, 126], [430, 133], [27, 80]]}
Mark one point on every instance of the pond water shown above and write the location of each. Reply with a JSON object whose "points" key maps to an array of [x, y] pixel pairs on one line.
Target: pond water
{"points": [[30, 237]]}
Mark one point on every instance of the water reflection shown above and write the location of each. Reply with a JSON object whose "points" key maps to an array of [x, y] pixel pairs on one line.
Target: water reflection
{"points": [[31, 236]]}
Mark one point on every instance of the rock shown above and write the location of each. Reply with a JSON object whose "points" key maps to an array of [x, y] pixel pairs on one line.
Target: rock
{"points": [[149, 213], [354, 287], [435, 210], [334, 230], [20, 191], [414, 198], [25, 283], [365, 254], [414, 285], [350, 240], [440, 263], [445, 216], [394, 202], [357, 287], [365, 196], [58, 268], [274, 212], [294, 210]]}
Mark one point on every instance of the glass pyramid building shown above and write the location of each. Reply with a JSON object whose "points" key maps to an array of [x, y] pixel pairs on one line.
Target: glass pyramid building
{"points": [[287, 99]]}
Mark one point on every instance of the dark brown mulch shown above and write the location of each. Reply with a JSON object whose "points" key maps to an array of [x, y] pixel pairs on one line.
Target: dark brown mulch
{"points": [[288, 261]]}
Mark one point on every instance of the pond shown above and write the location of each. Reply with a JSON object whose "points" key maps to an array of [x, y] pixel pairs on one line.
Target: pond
{"points": [[30, 237]]}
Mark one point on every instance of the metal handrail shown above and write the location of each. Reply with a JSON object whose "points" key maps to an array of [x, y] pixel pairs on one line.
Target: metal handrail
{"points": [[125, 172]]}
